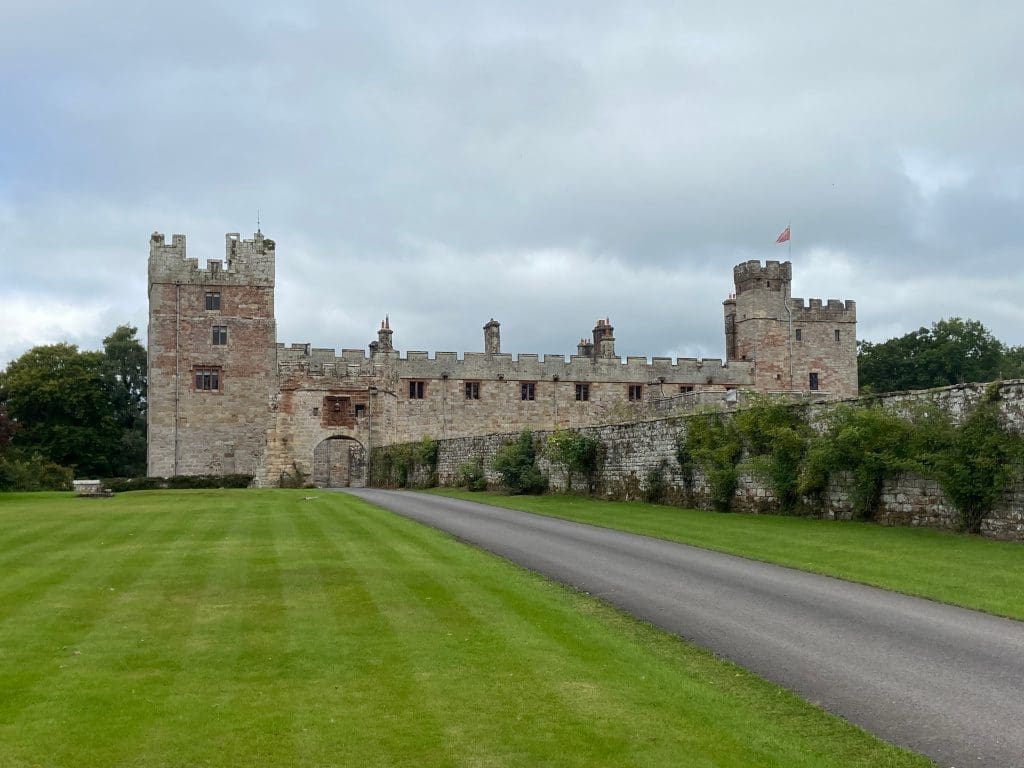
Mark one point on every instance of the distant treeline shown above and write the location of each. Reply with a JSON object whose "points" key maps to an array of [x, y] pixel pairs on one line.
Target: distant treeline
{"points": [[952, 351]]}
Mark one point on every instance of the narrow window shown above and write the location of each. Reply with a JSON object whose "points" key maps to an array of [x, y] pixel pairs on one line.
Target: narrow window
{"points": [[220, 335], [685, 388], [213, 300], [207, 379], [799, 334], [528, 391], [837, 335], [416, 390], [636, 392], [472, 390], [813, 382], [582, 392], [360, 409]]}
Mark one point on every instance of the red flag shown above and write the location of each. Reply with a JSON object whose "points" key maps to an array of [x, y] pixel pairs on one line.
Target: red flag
{"points": [[784, 236]]}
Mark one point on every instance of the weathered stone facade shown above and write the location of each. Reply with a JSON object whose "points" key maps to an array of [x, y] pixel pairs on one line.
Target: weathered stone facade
{"points": [[633, 451], [224, 396]]}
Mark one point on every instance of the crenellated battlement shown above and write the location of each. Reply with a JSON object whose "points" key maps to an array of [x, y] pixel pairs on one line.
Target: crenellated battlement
{"points": [[834, 310], [772, 275], [245, 262], [416, 364]]}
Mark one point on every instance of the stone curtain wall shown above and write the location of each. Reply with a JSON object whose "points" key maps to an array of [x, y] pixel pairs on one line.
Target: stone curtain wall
{"points": [[633, 451]]}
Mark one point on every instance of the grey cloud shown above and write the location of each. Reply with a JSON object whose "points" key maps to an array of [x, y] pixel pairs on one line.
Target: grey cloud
{"points": [[411, 149]]}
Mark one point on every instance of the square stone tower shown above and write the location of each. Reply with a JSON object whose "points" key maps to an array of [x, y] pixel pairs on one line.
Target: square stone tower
{"points": [[212, 357], [794, 347]]}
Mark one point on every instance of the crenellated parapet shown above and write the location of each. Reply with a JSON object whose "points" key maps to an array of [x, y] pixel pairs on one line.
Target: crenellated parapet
{"points": [[832, 310], [248, 262], [772, 275], [303, 358]]}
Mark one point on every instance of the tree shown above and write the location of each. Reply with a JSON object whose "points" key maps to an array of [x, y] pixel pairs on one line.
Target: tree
{"points": [[85, 410], [125, 378], [7, 428], [952, 351], [61, 402]]}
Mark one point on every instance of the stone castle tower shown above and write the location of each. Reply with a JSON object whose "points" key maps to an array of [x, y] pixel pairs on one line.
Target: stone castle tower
{"points": [[212, 357], [794, 347]]}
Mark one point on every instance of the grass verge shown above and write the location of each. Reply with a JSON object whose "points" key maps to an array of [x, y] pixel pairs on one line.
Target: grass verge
{"points": [[238, 628], [951, 568]]}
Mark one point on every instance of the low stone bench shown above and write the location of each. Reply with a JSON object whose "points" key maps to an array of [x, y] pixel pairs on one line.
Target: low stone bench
{"points": [[90, 489]]}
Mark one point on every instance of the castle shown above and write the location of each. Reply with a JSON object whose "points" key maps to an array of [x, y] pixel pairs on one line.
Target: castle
{"points": [[225, 397]]}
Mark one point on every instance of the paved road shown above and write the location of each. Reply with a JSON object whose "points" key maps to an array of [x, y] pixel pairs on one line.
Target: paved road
{"points": [[940, 680]]}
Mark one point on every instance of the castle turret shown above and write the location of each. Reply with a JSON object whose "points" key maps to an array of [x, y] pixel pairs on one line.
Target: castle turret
{"points": [[604, 339], [793, 347], [492, 337]]}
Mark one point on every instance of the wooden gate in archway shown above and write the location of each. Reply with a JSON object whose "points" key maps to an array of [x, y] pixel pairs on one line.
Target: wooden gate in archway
{"points": [[339, 462]]}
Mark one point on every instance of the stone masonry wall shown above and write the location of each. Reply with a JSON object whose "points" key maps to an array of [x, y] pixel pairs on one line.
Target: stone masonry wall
{"points": [[634, 450]]}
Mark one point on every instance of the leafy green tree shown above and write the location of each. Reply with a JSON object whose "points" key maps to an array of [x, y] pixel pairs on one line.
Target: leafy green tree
{"points": [[125, 378], [952, 351], [61, 401], [7, 428]]}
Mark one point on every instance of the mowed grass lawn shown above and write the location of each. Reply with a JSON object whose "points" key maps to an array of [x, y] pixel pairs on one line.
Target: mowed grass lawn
{"points": [[255, 628], [952, 568]]}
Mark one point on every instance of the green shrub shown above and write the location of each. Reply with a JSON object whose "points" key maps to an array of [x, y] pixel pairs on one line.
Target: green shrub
{"points": [[776, 438], [210, 481], [974, 462], [655, 485], [398, 465], [686, 462], [33, 474], [871, 443], [715, 445], [471, 475], [576, 453], [516, 462]]}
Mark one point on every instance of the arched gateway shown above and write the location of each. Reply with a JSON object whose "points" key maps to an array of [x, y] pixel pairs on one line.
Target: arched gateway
{"points": [[339, 462]]}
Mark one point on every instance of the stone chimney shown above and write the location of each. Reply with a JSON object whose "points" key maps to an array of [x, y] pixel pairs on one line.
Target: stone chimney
{"points": [[604, 339], [384, 336], [492, 337], [585, 348]]}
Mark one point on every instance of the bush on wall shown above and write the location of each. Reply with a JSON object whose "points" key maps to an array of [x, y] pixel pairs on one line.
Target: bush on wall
{"points": [[713, 443], [776, 438], [974, 462], [577, 454], [516, 462]]}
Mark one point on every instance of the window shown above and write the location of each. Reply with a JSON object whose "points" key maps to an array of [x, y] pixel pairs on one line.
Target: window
{"points": [[813, 381], [472, 390], [360, 409], [685, 388], [207, 379], [417, 389], [582, 392], [213, 300], [528, 391], [799, 334], [837, 335], [220, 335], [636, 392]]}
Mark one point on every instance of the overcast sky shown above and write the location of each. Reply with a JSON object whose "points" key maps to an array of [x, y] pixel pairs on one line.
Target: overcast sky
{"points": [[545, 164]]}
